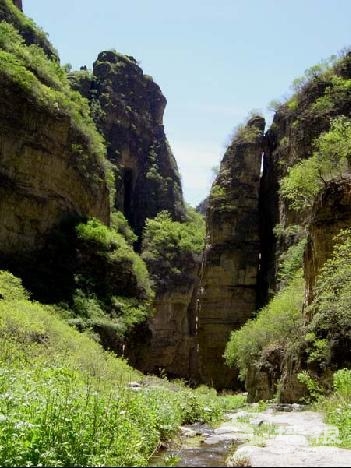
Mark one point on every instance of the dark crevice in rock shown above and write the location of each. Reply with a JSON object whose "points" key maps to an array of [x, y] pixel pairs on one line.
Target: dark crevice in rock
{"points": [[268, 218]]}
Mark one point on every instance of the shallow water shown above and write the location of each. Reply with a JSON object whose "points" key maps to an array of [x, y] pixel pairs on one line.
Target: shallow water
{"points": [[194, 452]]}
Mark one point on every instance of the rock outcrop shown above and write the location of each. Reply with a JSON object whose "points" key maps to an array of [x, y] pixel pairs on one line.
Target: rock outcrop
{"points": [[330, 214], [128, 108], [52, 163], [227, 294], [41, 185], [171, 344]]}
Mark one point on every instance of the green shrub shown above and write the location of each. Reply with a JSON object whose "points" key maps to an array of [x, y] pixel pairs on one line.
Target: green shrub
{"points": [[337, 408], [246, 134], [217, 191], [112, 284], [120, 224], [315, 391], [276, 324], [114, 247], [331, 306], [291, 261], [330, 159], [168, 247]]}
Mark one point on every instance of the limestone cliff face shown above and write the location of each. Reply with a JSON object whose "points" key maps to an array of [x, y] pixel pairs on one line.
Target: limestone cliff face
{"points": [[227, 296], [41, 185], [128, 108], [169, 341], [331, 213], [296, 125]]}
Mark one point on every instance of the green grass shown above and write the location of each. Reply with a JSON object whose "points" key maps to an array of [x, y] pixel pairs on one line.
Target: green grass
{"points": [[277, 324], [337, 408], [64, 401]]}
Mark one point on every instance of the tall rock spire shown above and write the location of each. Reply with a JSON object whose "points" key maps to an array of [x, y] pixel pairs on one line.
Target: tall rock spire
{"points": [[229, 274]]}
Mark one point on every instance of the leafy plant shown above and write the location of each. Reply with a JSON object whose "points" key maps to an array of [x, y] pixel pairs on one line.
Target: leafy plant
{"points": [[111, 245], [168, 247], [276, 324], [331, 158], [217, 191], [291, 261], [315, 391], [331, 306]]}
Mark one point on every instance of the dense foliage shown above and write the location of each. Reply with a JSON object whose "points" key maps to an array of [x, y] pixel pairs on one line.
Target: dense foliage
{"points": [[120, 224], [291, 261], [169, 247], [66, 402], [331, 307], [112, 283], [331, 158], [276, 325]]}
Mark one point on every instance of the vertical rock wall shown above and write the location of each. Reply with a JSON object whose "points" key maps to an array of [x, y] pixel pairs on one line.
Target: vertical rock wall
{"points": [[331, 213], [227, 296], [171, 344]]}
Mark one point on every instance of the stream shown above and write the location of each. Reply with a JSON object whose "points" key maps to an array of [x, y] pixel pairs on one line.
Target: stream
{"points": [[281, 435], [192, 450]]}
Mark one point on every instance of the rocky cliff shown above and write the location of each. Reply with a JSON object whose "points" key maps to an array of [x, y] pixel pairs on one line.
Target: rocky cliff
{"points": [[128, 107], [227, 294], [331, 213], [51, 161], [321, 95]]}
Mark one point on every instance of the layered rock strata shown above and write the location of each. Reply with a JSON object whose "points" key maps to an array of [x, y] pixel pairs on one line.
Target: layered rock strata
{"points": [[42, 183], [227, 294]]}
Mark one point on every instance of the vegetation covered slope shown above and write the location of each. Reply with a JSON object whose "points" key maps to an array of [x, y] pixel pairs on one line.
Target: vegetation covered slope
{"points": [[30, 32], [67, 402]]}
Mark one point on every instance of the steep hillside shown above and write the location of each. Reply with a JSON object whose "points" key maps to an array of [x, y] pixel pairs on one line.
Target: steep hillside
{"points": [[52, 159]]}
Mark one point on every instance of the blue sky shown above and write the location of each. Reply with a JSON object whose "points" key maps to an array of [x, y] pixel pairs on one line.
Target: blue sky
{"points": [[215, 60]]}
